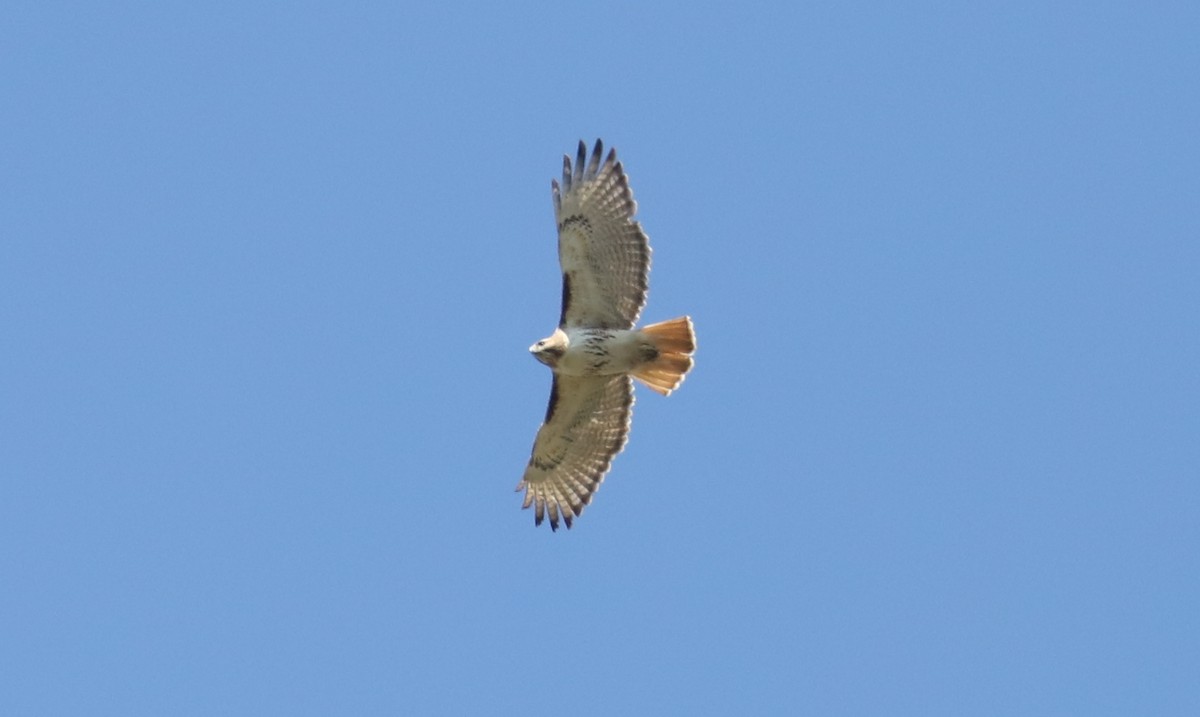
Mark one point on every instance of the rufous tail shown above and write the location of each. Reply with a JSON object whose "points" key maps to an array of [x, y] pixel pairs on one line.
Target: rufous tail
{"points": [[676, 342]]}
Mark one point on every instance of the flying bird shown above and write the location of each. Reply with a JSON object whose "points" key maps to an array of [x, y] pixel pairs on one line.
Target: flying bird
{"points": [[594, 352]]}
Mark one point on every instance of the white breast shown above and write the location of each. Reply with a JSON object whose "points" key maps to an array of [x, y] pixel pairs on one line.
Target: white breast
{"points": [[602, 352]]}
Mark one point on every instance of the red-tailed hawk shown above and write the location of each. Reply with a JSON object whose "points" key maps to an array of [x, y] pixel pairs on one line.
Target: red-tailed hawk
{"points": [[605, 258]]}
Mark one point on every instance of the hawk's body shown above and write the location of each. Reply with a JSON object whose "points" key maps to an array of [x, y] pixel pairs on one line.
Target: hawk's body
{"points": [[605, 259], [599, 352]]}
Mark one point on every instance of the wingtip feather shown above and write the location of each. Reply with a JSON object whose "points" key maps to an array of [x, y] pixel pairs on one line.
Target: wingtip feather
{"points": [[594, 165], [580, 161], [566, 173]]}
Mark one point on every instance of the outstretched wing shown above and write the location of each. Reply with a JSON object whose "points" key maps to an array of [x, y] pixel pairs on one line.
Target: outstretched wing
{"points": [[587, 424], [604, 253]]}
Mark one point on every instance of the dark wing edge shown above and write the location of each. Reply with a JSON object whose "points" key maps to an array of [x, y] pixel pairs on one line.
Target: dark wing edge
{"points": [[587, 425], [603, 252]]}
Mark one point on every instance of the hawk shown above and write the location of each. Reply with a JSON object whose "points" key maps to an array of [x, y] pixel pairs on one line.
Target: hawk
{"points": [[594, 352]]}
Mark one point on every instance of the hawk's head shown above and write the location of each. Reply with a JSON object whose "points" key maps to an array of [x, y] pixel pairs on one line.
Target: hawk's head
{"points": [[550, 349]]}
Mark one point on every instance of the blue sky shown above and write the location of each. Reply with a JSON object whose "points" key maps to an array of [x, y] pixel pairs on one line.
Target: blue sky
{"points": [[268, 273]]}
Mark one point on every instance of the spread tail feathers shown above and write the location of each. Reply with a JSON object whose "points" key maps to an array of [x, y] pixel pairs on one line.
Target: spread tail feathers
{"points": [[676, 342]]}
